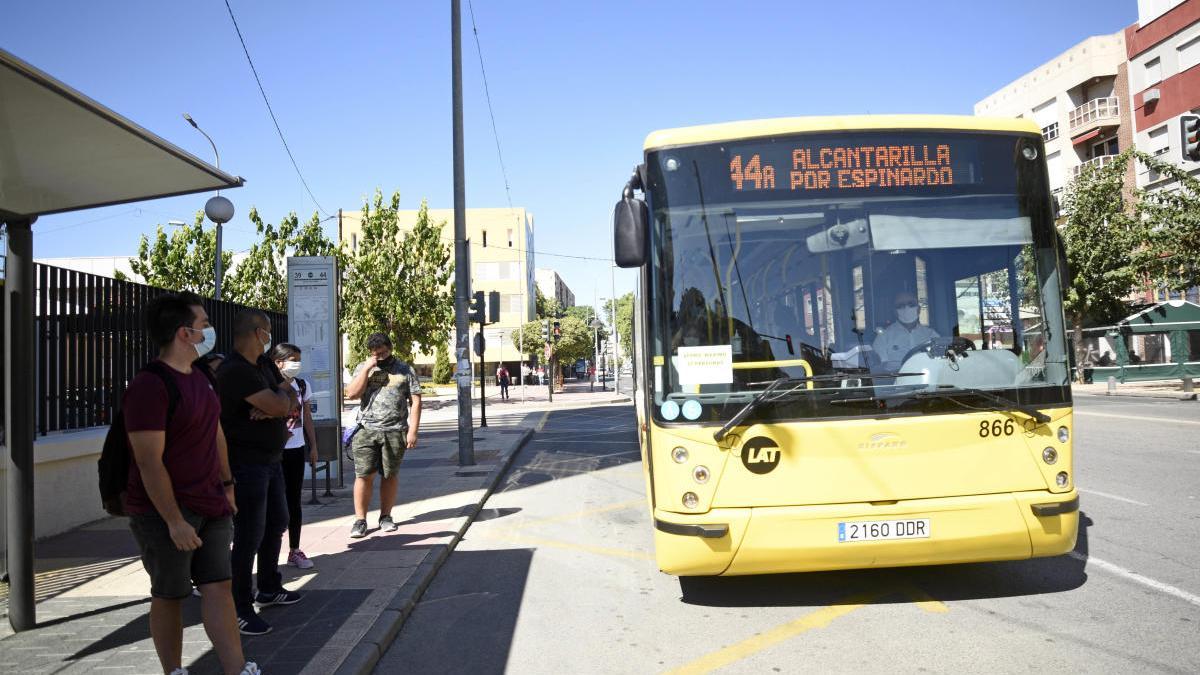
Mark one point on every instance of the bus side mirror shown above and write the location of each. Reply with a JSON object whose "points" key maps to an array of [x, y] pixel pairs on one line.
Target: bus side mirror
{"points": [[630, 227]]}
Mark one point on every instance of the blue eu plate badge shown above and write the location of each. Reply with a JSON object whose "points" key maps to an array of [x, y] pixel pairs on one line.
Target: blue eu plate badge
{"points": [[841, 532]]}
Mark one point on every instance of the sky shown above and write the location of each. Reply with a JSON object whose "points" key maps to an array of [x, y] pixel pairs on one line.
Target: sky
{"points": [[362, 93]]}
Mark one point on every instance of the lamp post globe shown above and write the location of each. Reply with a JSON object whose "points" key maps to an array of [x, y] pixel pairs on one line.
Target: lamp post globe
{"points": [[219, 209]]}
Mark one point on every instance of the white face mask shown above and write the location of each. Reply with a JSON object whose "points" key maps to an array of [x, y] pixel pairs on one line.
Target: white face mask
{"points": [[267, 346], [206, 345], [907, 314], [290, 369]]}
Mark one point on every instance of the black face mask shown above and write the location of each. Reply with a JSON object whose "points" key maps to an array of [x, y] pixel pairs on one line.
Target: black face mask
{"points": [[386, 363]]}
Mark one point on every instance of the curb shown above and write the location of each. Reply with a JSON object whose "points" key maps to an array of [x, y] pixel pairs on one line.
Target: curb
{"points": [[1169, 396], [365, 655]]}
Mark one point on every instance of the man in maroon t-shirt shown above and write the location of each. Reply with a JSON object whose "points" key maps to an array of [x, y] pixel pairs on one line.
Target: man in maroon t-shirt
{"points": [[180, 495]]}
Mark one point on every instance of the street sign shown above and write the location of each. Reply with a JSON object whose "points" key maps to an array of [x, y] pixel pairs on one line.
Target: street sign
{"points": [[313, 327]]}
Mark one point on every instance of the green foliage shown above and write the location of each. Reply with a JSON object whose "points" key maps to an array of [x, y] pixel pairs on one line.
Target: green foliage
{"points": [[260, 280], [1102, 237], [443, 370], [184, 261], [543, 306], [1172, 215], [624, 322], [398, 283], [575, 342], [531, 335]]}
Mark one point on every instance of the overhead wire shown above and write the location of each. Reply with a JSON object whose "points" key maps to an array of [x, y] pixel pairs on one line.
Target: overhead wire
{"points": [[270, 110]]}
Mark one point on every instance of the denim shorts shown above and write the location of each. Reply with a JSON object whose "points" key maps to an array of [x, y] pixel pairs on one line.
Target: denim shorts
{"points": [[174, 572]]}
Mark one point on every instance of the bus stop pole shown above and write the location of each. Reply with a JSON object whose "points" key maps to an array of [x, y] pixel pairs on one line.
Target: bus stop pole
{"points": [[19, 421]]}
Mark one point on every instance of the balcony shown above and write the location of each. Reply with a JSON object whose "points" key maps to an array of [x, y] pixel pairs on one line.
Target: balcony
{"points": [[1096, 163], [1095, 114]]}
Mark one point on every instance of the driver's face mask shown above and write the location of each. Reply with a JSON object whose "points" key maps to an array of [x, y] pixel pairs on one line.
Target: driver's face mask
{"points": [[907, 312]]}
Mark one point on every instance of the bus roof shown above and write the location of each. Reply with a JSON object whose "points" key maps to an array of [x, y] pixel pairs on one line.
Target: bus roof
{"points": [[729, 131]]}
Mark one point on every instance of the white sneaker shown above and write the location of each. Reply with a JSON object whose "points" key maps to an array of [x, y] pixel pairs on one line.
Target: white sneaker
{"points": [[180, 671], [251, 668]]}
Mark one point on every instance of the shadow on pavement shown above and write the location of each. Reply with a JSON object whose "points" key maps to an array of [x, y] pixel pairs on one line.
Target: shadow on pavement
{"points": [[969, 581], [574, 442], [466, 620]]}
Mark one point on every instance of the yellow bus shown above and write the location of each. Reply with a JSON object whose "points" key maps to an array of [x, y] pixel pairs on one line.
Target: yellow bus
{"points": [[850, 346]]}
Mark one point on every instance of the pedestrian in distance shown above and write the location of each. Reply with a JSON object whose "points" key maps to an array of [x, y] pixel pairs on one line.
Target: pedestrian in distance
{"points": [[255, 406], [301, 447], [503, 379], [180, 496], [389, 416]]}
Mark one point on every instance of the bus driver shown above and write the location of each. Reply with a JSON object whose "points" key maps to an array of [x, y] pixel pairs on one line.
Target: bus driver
{"points": [[903, 334]]}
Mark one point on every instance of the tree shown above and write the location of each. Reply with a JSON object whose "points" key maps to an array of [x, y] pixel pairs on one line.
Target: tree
{"points": [[624, 323], [184, 261], [260, 280], [443, 370], [398, 283], [1172, 218], [544, 307]]}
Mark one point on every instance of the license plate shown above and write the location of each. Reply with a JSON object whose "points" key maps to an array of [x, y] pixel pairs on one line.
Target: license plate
{"points": [[874, 530]]}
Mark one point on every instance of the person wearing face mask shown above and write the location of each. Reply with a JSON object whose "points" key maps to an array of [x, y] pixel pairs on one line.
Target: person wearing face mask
{"points": [[389, 414], [255, 406], [180, 495], [903, 334], [301, 446]]}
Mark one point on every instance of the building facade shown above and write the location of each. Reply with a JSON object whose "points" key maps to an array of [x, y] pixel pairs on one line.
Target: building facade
{"points": [[1080, 101], [554, 288], [501, 260], [1163, 49]]}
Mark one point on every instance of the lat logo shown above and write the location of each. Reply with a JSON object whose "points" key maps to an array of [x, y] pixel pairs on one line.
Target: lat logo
{"points": [[760, 455], [884, 441]]}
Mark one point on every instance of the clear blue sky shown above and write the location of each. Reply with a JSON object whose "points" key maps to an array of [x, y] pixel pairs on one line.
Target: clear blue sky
{"points": [[362, 91]]}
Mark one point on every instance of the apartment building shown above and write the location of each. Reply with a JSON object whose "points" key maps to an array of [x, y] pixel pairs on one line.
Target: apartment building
{"points": [[1163, 49], [1080, 101], [501, 260], [554, 288]]}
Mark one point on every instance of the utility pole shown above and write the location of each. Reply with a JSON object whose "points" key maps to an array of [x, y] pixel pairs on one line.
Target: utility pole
{"points": [[462, 260]]}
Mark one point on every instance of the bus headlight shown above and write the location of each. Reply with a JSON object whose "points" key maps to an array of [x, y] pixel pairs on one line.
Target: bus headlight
{"points": [[680, 455], [1062, 479], [1063, 435], [700, 473], [1049, 455], [690, 500]]}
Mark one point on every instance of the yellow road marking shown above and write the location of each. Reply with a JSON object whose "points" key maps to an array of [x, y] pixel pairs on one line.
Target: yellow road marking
{"points": [[542, 423], [1136, 417], [578, 514], [925, 601], [816, 619], [598, 550]]}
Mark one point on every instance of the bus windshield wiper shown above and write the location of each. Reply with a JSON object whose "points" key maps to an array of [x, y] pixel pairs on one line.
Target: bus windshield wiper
{"points": [[742, 414], [1000, 402]]}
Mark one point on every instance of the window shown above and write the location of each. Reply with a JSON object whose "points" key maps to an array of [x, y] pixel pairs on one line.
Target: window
{"points": [[1153, 71], [354, 241], [1055, 170], [510, 239], [1189, 54], [1158, 144], [1050, 133], [484, 238]]}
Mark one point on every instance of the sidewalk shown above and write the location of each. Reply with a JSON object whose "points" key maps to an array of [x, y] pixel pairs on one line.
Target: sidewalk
{"points": [[1168, 389], [92, 594]]}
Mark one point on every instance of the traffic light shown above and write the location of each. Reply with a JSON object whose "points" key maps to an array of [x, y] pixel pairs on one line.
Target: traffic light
{"points": [[1190, 126], [494, 307], [557, 331], [476, 314], [546, 331]]}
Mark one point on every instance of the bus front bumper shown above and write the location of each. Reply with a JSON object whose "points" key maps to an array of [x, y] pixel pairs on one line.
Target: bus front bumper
{"points": [[764, 540]]}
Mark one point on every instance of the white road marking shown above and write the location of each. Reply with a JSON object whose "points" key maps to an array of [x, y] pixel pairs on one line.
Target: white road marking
{"points": [[1105, 494], [1137, 417], [1134, 576]]}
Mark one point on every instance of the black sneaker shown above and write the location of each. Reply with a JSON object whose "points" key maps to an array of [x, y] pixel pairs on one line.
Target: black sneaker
{"points": [[386, 524], [359, 529], [280, 598], [252, 624]]}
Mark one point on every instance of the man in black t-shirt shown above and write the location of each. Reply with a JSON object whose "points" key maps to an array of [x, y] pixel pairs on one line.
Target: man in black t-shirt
{"points": [[254, 406]]}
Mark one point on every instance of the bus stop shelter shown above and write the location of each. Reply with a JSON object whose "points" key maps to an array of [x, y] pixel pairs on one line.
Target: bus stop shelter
{"points": [[60, 151], [1178, 321]]}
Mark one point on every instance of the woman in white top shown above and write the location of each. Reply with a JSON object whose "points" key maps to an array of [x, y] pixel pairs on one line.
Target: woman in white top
{"points": [[301, 445]]}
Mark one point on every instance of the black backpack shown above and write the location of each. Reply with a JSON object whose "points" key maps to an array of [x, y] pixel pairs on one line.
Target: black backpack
{"points": [[115, 457]]}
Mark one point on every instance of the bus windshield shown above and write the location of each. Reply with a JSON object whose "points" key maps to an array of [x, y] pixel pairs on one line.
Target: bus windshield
{"points": [[853, 274]]}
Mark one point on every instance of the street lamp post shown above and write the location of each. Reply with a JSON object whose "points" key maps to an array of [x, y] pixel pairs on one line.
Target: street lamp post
{"points": [[218, 209], [596, 324]]}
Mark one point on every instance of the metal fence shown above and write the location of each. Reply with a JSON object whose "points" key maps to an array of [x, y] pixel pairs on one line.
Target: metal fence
{"points": [[90, 340]]}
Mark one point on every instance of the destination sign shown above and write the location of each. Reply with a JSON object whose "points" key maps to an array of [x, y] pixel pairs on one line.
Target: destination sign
{"points": [[835, 167]]}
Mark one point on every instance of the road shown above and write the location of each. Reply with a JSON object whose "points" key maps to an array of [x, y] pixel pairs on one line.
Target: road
{"points": [[558, 576]]}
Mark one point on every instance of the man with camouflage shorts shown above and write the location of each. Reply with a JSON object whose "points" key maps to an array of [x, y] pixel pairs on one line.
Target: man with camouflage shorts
{"points": [[385, 387]]}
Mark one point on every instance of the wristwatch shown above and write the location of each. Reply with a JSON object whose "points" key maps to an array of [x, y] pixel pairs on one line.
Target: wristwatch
{"points": [[229, 483]]}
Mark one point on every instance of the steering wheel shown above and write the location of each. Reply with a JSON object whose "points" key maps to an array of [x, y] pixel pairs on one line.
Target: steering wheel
{"points": [[940, 347]]}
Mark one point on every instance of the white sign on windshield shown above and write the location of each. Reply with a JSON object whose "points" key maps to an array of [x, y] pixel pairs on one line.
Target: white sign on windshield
{"points": [[704, 365], [891, 232]]}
